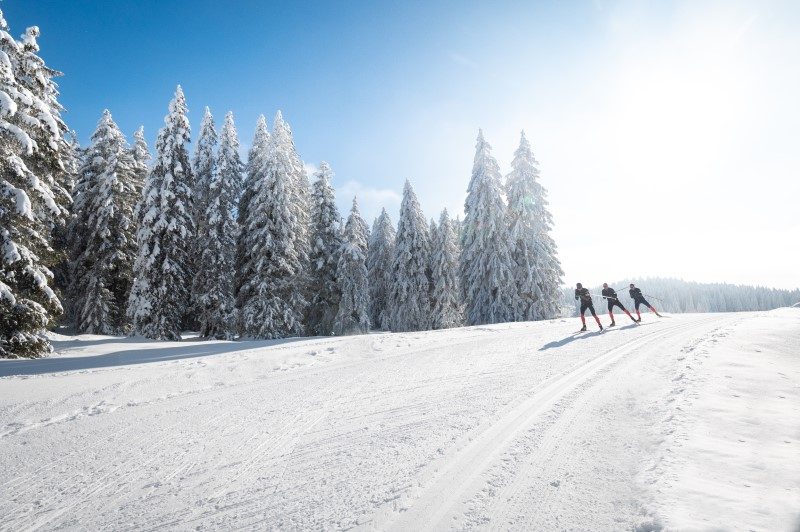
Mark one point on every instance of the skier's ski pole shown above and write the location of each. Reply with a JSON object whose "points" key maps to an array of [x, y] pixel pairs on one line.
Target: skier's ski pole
{"points": [[653, 297]]}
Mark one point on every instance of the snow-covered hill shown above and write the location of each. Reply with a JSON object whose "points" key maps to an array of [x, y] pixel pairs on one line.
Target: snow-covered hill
{"points": [[691, 421]]}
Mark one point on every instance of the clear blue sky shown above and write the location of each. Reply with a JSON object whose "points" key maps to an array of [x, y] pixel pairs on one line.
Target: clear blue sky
{"points": [[666, 131]]}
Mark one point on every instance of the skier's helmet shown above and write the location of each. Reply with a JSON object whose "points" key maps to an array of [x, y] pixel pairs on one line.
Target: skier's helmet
{"points": [[631, 285], [605, 285], [579, 285]]}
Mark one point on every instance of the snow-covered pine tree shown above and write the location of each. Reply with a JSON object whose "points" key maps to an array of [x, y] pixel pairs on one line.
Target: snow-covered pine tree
{"points": [[380, 255], [204, 165], [352, 317], [160, 292], [488, 282], [51, 160], [409, 306], [272, 301], [326, 241], [520, 184], [447, 308], [103, 232], [203, 169], [213, 287], [531, 222], [141, 155], [254, 172], [33, 199]]}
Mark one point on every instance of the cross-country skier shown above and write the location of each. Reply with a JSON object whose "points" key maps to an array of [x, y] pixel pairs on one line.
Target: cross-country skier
{"points": [[638, 299], [611, 296], [586, 303]]}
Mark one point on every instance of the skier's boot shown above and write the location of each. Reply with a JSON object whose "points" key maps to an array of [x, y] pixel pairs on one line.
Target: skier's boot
{"points": [[612, 324], [583, 329], [600, 325], [656, 312]]}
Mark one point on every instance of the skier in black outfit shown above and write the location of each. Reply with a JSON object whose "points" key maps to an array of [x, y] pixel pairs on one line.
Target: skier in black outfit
{"points": [[638, 299], [586, 303], [611, 296]]}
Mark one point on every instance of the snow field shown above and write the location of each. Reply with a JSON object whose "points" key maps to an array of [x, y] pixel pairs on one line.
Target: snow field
{"points": [[512, 426]]}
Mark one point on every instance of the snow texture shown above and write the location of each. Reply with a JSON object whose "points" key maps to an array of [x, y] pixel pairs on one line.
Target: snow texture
{"points": [[682, 423]]}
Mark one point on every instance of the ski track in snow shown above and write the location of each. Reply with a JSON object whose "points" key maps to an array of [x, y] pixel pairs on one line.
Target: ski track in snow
{"points": [[511, 426]]}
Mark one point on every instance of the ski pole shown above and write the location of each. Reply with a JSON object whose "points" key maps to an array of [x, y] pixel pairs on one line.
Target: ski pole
{"points": [[653, 297]]}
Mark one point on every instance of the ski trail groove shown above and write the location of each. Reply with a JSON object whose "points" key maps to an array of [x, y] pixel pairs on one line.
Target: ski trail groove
{"points": [[450, 479]]}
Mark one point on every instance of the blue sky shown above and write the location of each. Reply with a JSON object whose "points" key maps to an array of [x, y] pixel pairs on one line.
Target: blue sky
{"points": [[666, 131]]}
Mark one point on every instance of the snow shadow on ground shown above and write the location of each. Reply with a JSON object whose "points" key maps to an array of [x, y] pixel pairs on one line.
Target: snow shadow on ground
{"points": [[126, 356], [577, 336]]}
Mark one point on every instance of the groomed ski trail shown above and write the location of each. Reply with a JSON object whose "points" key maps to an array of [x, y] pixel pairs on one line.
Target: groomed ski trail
{"points": [[435, 504]]}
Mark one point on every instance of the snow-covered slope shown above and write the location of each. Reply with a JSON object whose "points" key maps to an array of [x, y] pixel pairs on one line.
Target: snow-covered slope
{"points": [[691, 421]]}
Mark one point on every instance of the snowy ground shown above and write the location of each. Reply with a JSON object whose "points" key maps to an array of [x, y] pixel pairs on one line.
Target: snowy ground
{"points": [[688, 422]]}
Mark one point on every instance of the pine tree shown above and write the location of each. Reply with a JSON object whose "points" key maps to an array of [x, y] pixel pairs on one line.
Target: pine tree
{"points": [[488, 283], [33, 197], [254, 173], [380, 255], [141, 155], [204, 168], [352, 317], [103, 232], [160, 292], [273, 304], [204, 165], [409, 305], [213, 286], [447, 310], [326, 241], [537, 270], [528, 297]]}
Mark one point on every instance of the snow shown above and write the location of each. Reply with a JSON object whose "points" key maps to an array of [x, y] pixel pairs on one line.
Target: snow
{"points": [[686, 422]]}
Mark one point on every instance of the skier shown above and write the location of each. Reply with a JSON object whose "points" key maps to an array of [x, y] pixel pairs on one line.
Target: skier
{"points": [[638, 299], [586, 303], [611, 296]]}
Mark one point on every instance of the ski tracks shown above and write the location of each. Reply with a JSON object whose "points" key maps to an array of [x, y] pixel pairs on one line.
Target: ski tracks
{"points": [[448, 487]]}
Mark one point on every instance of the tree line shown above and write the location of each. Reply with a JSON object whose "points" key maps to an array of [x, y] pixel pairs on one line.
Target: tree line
{"points": [[110, 241]]}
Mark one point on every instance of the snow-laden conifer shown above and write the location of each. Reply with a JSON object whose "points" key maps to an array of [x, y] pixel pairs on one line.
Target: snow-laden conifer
{"points": [[271, 298], [141, 155], [488, 282], [409, 305], [326, 241], [33, 196], [254, 172], [352, 317], [380, 256], [204, 167], [213, 286], [160, 292], [537, 270], [447, 308], [103, 232]]}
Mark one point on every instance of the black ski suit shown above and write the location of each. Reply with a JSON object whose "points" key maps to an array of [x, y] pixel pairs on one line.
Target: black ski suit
{"points": [[638, 298], [611, 296], [586, 301]]}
